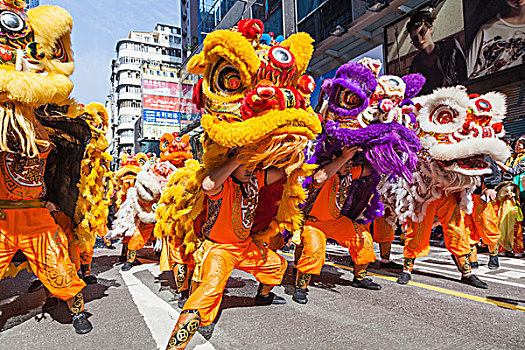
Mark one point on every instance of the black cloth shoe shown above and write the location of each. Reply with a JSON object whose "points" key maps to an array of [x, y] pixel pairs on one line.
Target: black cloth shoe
{"points": [[35, 285], [404, 277], [474, 265], [493, 262], [183, 297], [366, 283], [206, 331], [127, 266], [390, 265], [89, 279], [474, 281], [269, 299], [299, 296], [82, 324]]}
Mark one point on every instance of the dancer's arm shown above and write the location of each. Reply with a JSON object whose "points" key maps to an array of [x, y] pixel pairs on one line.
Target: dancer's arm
{"points": [[329, 170]]}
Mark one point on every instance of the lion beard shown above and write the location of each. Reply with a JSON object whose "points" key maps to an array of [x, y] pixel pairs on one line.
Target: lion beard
{"points": [[16, 127], [409, 200]]}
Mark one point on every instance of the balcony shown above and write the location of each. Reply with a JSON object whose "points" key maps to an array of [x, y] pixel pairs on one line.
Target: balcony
{"points": [[126, 140], [130, 96], [124, 80], [130, 110], [125, 126], [129, 66]]}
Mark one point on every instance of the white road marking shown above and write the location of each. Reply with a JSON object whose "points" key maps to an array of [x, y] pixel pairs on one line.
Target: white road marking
{"points": [[456, 274], [159, 316]]}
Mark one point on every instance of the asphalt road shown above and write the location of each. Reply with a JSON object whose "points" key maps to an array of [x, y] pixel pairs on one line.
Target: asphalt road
{"points": [[137, 310]]}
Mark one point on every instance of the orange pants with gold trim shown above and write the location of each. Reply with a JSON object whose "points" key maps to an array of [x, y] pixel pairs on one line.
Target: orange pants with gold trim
{"points": [[35, 233], [141, 236], [446, 209], [353, 236], [220, 259], [482, 223], [80, 254], [177, 254], [383, 232]]}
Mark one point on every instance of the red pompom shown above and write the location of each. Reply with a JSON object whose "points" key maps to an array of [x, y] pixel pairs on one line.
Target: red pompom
{"points": [[306, 84], [498, 127], [250, 28], [198, 96]]}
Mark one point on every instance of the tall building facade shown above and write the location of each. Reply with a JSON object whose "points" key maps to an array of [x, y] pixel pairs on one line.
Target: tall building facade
{"points": [[145, 88], [32, 3]]}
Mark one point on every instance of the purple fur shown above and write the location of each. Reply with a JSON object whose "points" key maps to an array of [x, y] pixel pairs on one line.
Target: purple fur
{"points": [[356, 78], [414, 83], [378, 141]]}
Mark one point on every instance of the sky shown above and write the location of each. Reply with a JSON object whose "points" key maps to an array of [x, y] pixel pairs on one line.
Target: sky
{"points": [[97, 26]]}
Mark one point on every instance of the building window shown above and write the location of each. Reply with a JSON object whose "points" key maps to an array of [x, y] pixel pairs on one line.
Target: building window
{"points": [[325, 18]]}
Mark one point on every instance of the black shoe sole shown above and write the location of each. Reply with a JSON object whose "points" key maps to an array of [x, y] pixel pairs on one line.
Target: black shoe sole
{"points": [[300, 301], [84, 331], [358, 285], [480, 286]]}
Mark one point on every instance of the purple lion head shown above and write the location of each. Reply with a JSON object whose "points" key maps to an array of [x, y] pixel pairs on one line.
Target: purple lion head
{"points": [[372, 112]]}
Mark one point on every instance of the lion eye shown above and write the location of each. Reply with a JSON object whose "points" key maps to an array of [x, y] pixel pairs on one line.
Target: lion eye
{"points": [[443, 115], [349, 99], [11, 21], [226, 78]]}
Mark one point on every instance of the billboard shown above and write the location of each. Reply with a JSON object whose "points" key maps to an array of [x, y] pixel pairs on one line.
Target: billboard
{"points": [[160, 88], [155, 131], [478, 44], [160, 102], [495, 36], [430, 41]]}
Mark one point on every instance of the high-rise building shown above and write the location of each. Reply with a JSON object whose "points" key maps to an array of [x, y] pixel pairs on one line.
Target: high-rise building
{"points": [[32, 3], [145, 94]]}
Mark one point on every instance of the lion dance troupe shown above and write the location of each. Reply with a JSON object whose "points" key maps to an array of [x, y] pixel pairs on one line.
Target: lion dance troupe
{"points": [[375, 155]]}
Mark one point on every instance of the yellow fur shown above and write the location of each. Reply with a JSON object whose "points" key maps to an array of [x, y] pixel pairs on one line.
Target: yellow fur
{"points": [[93, 200]]}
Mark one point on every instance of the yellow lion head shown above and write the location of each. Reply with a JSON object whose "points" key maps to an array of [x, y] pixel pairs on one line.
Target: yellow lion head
{"points": [[254, 95], [35, 54]]}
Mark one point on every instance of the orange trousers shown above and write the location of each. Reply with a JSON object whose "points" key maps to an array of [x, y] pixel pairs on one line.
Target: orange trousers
{"points": [[176, 254], [446, 209], [79, 253], [219, 261], [353, 236], [141, 236], [36, 234], [383, 232], [482, 223]]}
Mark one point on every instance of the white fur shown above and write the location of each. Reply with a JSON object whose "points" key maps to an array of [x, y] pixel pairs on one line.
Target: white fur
{"points": [[499, 104], [450, 97], [124, 224], [470, 147]]}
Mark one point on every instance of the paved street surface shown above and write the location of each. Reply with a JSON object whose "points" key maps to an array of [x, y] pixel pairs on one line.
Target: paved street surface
{"points": [[137, 310]]}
